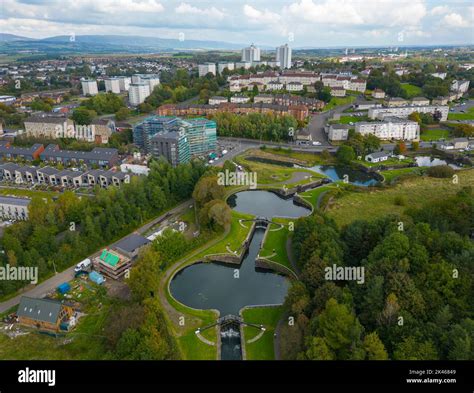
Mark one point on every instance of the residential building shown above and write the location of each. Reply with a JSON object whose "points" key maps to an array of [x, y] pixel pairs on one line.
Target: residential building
{"points": [[216, 100], [112, 264], [364, 105], [378, 93], [89, 87], [376, 157], [274, 85], [207, 68], [294, 86], [265, 98], [131, 245], [151, 80], [243, 64], [239, 99], [201, 135], [395, 102], [440, 101], [138, 92], [404, 111], [338, 91], [145, 130], [13, 208], [283, 56], [338, 132], [222, 66], [7, 100], [112, 85], [44, 314], [99, 156], [390, 128], [441, 75], [9, 152], [173, 146], [460, 86], [49, 127], [420, 101], [251, 54], [124, 82], [460, 143]]}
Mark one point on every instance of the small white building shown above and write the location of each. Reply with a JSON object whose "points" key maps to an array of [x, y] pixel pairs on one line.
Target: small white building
{"points": [[378, 93], [239, 99], [294, 86], [390, 128], [216, 100], [379, 156], [338, 132]]}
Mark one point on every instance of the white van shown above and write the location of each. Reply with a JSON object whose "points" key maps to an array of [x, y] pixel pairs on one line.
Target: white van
{"points": [[83, 265]]}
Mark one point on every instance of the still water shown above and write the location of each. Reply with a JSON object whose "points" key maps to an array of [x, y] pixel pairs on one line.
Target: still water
{"points": [[228, 288]]}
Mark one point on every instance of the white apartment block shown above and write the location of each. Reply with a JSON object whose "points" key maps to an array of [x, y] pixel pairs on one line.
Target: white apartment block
{"points": [[89, 87], [338, 91], [239, 99], [124, 82], [251, 54], [222, 66], [460, 86], [378, 93], [346, 82], [420, 101], [294, 86], [216, 100], [338, 132], [283, 55], [152, 80], [207, 68], [112, 85], [405, 111], [243, 64], [137, 93], [390, 128], [274, 85], [12, 208]]}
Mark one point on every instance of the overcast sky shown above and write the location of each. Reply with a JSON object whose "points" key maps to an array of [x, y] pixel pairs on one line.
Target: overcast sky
{"points": [[316, 23]]}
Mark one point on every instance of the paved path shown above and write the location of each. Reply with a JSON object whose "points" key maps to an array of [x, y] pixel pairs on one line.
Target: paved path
{"points": [[46, 286]]}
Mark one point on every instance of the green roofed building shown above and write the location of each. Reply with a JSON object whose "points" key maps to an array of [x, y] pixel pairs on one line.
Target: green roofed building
{"points": [[112, 264]]}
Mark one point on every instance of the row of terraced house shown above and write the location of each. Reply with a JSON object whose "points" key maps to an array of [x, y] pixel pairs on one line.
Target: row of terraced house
{"points": [[10, 172], [99, 156]]}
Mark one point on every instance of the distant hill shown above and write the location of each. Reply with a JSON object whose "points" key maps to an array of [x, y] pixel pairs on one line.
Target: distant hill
{"points": [[141, 42], [11, 37]]}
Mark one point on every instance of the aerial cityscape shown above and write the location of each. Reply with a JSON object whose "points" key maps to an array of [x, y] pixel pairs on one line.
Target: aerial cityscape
{"points": [[286, 181]]}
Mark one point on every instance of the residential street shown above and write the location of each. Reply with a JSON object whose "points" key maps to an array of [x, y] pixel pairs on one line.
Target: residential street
{"points": [[44, 287]]}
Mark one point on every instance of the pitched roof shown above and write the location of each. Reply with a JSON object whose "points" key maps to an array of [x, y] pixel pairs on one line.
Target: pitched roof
{"points": [[44, 310]]}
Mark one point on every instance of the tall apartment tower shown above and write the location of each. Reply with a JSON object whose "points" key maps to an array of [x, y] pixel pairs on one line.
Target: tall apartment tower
{"points": [[112, 85], [137, 93], [283, 55], [251, 54], [89, 87]]}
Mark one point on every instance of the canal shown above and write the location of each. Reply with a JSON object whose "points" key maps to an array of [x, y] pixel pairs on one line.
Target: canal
{"points": [[228, 288]]}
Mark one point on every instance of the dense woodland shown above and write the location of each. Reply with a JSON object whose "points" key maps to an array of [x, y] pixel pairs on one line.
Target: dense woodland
{"points": [[416, 302], [47, 241], [266, 126]]}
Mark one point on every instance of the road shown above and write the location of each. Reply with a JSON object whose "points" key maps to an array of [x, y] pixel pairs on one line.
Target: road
{"points": [[43, 288], [319, 120]]}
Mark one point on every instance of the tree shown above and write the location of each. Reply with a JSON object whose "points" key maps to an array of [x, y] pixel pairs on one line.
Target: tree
{"points": [[400, 148], [340, 329], [83, 116], [345, 155], [122, 114], [318, 350], [216, 214], [415, 116], [415, 145], [374, 347], [412, 349], [207, 189], [145, 276]]}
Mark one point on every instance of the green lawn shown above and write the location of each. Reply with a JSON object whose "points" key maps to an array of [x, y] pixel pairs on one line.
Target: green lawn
{"points": [[369, 204], [434, 134], [234, 239], [389, 162], [412, 90], [337, 101], [393, 174], [469, 115], [312, 196], [275, 243], [263, 348]]}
